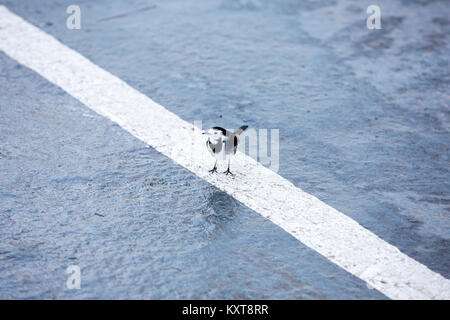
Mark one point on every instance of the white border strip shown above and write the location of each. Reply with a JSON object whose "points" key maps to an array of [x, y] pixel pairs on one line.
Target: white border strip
{"points": [[317, 225]]}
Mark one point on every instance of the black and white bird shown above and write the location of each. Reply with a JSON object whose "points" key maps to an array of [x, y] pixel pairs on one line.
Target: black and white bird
{"points": [[222, 144]]}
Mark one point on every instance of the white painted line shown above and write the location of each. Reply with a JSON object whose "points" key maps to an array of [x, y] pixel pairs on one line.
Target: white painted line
{"points": [[319, 226]]}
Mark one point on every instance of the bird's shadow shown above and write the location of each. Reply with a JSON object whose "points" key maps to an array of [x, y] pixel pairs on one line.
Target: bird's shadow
{"points": [[220, 207]]}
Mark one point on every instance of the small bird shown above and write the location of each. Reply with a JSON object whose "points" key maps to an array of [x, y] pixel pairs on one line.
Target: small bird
{"points": [[222, 144]]}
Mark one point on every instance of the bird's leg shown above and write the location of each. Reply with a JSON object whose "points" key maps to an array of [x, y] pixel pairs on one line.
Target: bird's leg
{"points": [[214, 169], [228, 170]]}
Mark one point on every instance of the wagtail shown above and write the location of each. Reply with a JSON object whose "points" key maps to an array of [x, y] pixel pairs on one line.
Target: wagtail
{"points": [[222, 144]]}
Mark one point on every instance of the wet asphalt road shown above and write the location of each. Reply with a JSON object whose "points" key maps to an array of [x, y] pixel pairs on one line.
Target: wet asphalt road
{"points": [[364, 126]]}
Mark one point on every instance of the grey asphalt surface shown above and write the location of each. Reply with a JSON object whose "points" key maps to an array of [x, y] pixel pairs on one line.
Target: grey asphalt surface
{"points": [[364, 126]]}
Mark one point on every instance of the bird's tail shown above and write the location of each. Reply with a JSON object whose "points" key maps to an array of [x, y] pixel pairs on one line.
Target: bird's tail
{"points": [[240, 130]]}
